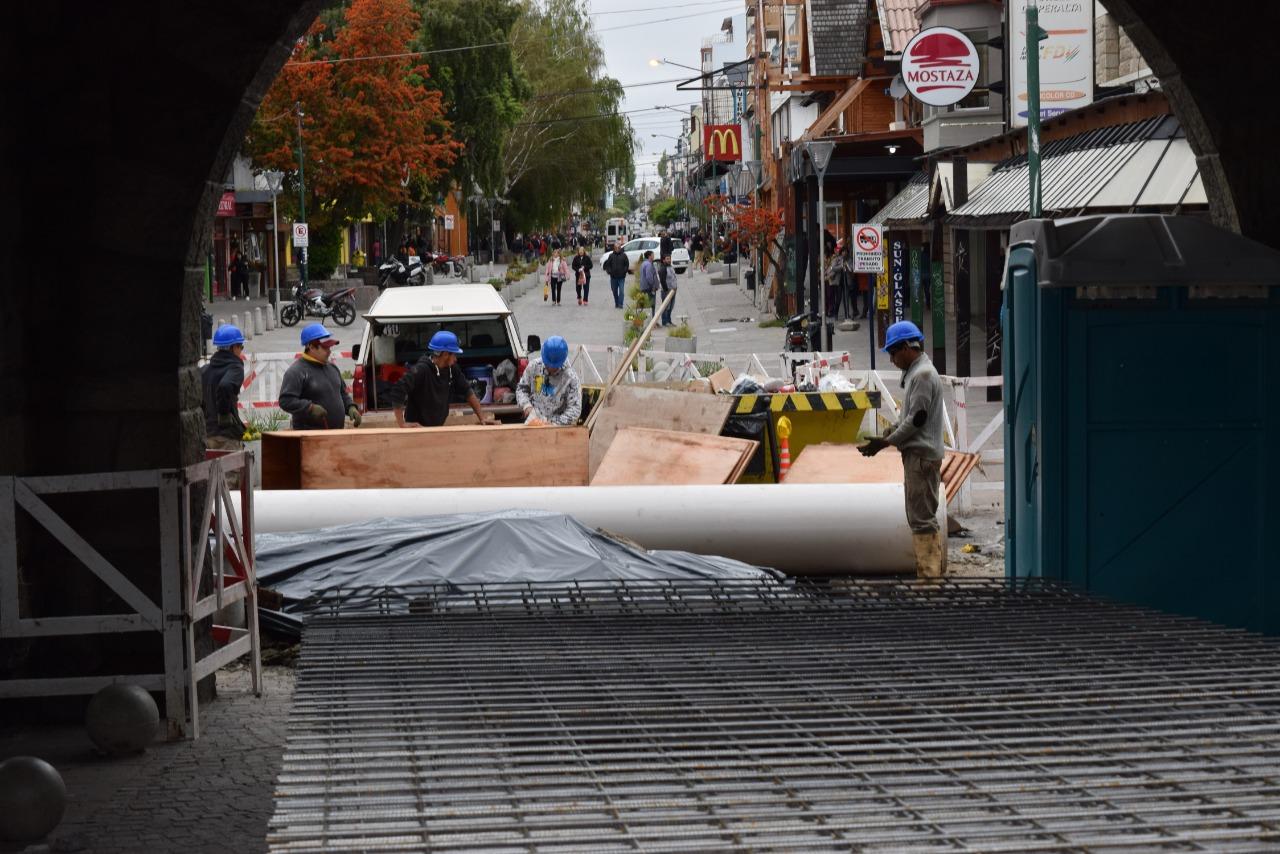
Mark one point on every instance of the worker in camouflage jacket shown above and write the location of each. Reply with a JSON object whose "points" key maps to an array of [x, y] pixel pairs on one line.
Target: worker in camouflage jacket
{"points": [[550, 392], [918, 436]]}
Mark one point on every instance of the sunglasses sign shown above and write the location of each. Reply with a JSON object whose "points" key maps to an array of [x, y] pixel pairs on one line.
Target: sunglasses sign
{"points": [[940, 66]]}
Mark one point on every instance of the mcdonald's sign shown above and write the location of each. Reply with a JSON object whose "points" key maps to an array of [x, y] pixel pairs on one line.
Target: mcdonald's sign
{"points": [[722, 142]]}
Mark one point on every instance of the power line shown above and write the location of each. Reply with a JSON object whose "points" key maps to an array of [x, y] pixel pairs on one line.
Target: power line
{"points": [[672, 6], [663, 21]]}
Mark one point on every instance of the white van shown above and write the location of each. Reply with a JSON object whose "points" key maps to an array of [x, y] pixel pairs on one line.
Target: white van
{"points": [[615, 229], [402, 320]]}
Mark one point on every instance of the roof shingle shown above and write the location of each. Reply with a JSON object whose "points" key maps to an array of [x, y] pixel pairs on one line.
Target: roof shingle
{"points": [[837, 36], [898, 23]]}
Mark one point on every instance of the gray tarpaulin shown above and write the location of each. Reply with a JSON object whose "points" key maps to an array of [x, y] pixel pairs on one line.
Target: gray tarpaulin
{"points": [[503, 547]]}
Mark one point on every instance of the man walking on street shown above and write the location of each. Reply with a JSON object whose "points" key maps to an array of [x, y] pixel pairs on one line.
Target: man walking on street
{"points": [[427, 388], [918, 435], [649, 284], [549, 391], [222, 379], [312, 390], [695, 243], [617, 266]]}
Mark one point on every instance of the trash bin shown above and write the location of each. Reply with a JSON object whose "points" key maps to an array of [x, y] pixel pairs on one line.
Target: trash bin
{"points": [[749, 276], [1142, 413]]}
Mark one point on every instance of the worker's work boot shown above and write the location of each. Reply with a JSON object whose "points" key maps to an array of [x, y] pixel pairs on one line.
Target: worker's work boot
{"points": [[930, 554]]}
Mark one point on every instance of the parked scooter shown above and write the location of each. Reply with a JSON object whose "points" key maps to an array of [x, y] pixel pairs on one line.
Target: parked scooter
{"points": [[313, 302], [394, 273], [800, 330]]}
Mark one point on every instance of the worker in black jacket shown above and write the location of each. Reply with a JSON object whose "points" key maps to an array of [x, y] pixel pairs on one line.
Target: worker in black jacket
{"points": [[221, 380], [617, 266], [422, 396]]}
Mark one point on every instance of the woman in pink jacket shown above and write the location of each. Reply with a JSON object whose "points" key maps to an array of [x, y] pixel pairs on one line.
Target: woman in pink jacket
{"points": [[557, 272]]}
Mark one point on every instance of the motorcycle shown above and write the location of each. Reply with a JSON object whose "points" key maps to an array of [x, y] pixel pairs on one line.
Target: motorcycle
{"points": [[395, 273], [444, 264], [313, 302], [799, 330]]}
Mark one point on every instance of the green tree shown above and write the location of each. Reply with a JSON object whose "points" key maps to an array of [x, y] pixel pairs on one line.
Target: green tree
{"points": [[667, 211], [571, 143], [484, 89]]}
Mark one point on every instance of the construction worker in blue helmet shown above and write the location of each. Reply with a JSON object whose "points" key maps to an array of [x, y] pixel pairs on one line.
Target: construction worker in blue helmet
{"points": [[421, 397], [550, 392], [221, 380], [918, 437], [313, 391]]}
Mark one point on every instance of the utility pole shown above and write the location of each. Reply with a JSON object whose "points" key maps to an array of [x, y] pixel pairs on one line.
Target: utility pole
{"points": [[302, 193], [1035, 35]]}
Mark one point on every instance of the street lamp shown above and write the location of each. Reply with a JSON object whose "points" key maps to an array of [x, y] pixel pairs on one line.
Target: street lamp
{"points": [[656, 62], [302, 194], [819, 153], [275, 182]]}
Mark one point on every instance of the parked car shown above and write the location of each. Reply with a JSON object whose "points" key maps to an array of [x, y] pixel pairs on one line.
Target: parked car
{"points": [[635, 250], [402, 320]]}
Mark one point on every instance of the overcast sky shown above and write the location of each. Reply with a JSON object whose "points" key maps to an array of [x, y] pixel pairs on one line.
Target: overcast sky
{"points": [[646, 30]]}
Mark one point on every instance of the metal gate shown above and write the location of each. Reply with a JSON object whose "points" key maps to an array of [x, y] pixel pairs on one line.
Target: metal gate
{"points": [[772, 717]]}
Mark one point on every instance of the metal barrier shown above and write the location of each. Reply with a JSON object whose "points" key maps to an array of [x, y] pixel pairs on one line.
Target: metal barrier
{"points": [[184, 543]]}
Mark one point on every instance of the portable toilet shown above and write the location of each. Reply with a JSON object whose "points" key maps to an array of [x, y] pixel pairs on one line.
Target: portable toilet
{"points": [[1142, 413]]}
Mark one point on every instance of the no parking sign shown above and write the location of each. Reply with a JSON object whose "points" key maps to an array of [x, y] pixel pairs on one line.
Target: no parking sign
{"points": [[868, 249]]}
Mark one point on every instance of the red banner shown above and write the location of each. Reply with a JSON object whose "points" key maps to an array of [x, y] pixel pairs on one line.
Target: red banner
{"points": [[227, 204], [722, 142]]}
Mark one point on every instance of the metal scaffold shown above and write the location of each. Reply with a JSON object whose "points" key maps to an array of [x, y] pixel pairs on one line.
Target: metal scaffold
{"points": [[769, 716]]}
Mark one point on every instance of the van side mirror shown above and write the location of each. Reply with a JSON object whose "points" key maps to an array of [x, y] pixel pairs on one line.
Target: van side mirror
{"points": [[535, 343], [355, 352]]}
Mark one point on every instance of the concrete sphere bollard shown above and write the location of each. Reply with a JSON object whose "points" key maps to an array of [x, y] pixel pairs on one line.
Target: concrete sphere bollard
{"points": [[122, 719], [32, 799]]}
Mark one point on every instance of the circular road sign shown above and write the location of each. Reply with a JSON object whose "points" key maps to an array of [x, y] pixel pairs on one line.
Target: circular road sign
{"points": [[868, 239]]}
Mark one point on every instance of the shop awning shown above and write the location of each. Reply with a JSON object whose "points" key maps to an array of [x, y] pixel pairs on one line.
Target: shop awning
{"points": [[911, 205], [1139, 166]]}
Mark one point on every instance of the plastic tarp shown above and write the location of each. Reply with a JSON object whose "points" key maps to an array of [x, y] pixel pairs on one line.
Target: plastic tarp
{"points": [[512, 546]]}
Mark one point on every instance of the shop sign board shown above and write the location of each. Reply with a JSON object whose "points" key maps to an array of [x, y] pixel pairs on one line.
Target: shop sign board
{"points": [[448, 222], [1066, 58], [897, 279], [868, 249], [940, 66], [226, 204]]}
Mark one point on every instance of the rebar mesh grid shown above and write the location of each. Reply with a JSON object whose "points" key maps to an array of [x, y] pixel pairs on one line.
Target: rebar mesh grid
{"points": [[742, 716]]}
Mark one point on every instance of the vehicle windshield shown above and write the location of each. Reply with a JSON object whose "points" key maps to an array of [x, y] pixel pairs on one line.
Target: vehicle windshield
{"points": [[480, 338]]}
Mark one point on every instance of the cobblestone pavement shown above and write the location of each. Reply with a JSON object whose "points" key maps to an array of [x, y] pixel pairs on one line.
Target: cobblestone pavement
{"points": [[212, 795]]}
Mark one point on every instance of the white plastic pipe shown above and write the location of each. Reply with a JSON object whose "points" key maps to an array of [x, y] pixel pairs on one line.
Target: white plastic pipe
{"points": [[801, 529]]}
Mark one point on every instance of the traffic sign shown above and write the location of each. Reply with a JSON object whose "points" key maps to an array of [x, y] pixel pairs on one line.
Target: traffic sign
{"points": [[448, 222], [868, 249], [301, 236]]}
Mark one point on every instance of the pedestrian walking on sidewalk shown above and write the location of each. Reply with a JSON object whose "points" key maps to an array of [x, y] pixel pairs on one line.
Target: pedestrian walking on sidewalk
{"points": [[649, 283], [312, 390], [582, 275], [421, 397], [239, 270], [556, 273], [549, 391], [697, 245], [667, 283], [221, 380], [617, 266], [918, 436]]}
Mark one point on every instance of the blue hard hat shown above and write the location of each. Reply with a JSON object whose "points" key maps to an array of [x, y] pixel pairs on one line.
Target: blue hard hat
{"points": [[314, 332], [228, 336], [555, 352], [444, 341], [903, 330]]}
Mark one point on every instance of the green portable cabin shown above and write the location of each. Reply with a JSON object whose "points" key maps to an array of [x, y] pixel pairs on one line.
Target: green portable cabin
{"points": [[1142, 413]]}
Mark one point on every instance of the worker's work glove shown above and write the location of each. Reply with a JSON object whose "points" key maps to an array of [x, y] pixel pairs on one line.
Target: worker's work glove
{"points": [[354, 414], [873, 447], [318, 414]]}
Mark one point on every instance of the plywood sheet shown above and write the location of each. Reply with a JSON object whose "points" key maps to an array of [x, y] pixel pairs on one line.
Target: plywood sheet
{"points": [[658, 409], [840, 463], [722, 380], [643, 457], [508, 455]]}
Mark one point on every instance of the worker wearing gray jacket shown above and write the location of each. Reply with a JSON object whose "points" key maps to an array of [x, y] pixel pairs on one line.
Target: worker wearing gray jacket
{"points": [[549, 391], [918, 435], [312, 391]]}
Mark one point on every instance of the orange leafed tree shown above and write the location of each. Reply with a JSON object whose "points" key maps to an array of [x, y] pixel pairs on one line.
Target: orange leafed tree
{"points": [[372, 129]]}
